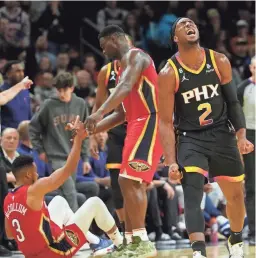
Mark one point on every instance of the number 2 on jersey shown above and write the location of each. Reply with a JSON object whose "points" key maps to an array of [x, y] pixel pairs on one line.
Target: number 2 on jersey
{"points": [[207, 112], [20, 235]]}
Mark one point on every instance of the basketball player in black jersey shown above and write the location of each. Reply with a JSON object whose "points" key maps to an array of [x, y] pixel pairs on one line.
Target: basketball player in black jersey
{"points": [[196, 86], [106, 83]]}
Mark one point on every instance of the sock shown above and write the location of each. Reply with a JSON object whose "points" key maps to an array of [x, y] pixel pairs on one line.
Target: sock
{"points": [[128, 237], [199, 246], [142, 233], [116, 237], [92, 239], [122, 226], [235, 237]]}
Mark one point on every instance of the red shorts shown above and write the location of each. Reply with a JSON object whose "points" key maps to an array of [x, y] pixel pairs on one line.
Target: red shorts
{"points": [[142, 149], [67, 246]]}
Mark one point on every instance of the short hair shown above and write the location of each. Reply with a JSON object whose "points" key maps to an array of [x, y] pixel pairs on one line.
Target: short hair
{"points": [[23, 130], [8, 129], [8, 66], [110, 30], [21, 162], [63, 80]]}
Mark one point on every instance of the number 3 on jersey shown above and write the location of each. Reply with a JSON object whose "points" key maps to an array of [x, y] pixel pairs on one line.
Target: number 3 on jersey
{"points": [[207, 112], [20, 235]]}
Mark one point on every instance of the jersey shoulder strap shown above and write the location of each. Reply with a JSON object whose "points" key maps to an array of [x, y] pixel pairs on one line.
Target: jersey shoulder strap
{"points": [[173, 63], [213, 62]]}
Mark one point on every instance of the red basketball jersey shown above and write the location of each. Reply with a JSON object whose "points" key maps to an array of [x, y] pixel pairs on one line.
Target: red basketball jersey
{"points": [[143, 99], [33, 230]]}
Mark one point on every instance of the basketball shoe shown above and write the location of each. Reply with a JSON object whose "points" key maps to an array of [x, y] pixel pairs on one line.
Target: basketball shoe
{"points": [[197, 254], [236, 250]]}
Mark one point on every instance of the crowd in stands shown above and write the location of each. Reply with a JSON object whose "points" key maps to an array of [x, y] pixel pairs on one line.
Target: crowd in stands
{"points": [[33, 42]]}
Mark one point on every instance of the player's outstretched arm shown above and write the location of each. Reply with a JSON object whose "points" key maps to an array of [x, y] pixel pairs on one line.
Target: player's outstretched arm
{"points": [[167, 85], [113, 120], [101, 96], [133, 65], [57, 178], [235, 111], [9, 94]]}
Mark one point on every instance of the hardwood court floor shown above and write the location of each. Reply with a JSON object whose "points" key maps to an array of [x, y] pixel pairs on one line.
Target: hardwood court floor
{"points": [[213, 252]]}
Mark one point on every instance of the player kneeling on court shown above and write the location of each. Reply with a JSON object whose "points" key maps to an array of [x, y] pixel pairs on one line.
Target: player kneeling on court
{"points": [[53, 231]]}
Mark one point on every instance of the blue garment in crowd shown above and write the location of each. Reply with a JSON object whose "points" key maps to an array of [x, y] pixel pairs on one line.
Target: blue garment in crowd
{"points": [[43, 169], [98, 168], [16, 110]]}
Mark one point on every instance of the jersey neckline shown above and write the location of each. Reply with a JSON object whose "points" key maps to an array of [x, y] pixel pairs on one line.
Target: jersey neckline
{"points": [[199, 70]]}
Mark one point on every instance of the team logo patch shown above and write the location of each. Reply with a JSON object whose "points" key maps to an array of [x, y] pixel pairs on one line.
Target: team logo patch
{"points": [[72, 237], [138, 166]]}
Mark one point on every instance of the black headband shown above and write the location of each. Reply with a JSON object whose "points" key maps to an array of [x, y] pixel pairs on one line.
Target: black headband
{"points": [[173, 30]]}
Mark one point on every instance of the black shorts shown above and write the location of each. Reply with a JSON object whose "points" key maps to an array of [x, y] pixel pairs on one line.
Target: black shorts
{"points": [[115, 145], [212, 152], [115, 148]]}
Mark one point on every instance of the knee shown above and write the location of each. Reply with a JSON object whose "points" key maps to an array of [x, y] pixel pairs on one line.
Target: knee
{"points": [[59, 199], [95, 201]]}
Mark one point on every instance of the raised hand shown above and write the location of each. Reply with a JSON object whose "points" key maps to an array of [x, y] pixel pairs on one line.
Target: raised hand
{"points": [[91, 121], [26, 83]]}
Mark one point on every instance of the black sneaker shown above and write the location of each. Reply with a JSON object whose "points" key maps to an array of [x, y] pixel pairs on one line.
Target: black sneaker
{"points": [[11, 245], [5, 252]]}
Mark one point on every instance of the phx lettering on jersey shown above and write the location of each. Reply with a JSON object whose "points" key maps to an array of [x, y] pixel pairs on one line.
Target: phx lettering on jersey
{"points": [[208, 91], [63, 119], [15, 207]]}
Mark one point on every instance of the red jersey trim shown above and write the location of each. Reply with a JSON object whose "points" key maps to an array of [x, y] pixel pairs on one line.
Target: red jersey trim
{"points": [[134, 150]]}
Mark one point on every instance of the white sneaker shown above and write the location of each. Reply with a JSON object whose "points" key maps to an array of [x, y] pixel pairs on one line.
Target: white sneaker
{"points": [[197, 254], [152, 236], [236, 250]]}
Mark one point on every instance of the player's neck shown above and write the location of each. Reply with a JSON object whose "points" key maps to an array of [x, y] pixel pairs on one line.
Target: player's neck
{"points": [[190, 55], [123, 50], [21, 182]]}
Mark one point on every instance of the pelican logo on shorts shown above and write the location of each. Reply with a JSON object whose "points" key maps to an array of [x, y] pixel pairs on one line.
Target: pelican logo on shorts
{"points": [[72, 237], [138, 166]]}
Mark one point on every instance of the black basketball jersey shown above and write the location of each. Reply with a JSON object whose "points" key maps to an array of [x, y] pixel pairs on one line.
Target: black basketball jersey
{"points": [[199, 103], [112, 73]]}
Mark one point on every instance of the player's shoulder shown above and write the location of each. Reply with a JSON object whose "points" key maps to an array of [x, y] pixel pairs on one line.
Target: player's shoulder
{"points": [[105, 67], [220, 58], [137, 54], [168, 70]]}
